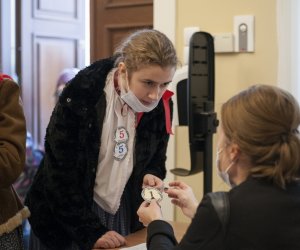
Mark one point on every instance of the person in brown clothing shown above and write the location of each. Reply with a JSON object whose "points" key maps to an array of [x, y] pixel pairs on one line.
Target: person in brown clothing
{"points": [[12, 160]]}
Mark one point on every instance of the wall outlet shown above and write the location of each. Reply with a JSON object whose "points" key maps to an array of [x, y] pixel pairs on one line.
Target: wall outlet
{"points": [[244, 33]]}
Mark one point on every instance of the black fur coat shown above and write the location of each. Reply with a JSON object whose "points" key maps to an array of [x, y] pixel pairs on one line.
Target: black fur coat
{"points": [[61, 196]]}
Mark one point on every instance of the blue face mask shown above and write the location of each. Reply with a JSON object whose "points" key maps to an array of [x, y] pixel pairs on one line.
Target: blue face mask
{"points": [[223, 174]]}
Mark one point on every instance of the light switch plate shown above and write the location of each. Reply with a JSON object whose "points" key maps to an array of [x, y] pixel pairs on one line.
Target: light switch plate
{"points": [[187, 34], [244, 33], [223, 42]]}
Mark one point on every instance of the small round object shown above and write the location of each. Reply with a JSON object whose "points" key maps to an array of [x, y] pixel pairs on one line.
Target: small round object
{"points": [[120, 151], [243, 27], [150, 193]]}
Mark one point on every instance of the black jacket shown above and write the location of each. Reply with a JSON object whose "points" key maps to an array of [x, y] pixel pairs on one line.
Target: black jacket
{"points": [[262, 217], [61, 196]]}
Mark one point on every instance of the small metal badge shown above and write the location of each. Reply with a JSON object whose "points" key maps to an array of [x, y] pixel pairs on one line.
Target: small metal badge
{"points": [[121, 135], [120, 151], [150, 193]]}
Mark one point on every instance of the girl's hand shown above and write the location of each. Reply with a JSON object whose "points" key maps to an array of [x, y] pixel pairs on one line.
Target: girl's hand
{"points": [[152, 181], [110, 239]]}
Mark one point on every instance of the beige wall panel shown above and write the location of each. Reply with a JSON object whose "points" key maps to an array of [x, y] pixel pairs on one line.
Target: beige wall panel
{"points": [[233, 71]]}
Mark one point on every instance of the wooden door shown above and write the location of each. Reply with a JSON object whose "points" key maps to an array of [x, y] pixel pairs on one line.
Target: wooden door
{"points": [[112, 20], [51, 39]]}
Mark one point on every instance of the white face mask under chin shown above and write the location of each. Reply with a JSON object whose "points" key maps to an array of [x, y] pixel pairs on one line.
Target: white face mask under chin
{"points": [[223, 174], [133, 102]]}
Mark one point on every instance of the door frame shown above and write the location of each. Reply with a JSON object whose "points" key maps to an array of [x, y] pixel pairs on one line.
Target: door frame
{"points": [[164, 17], [164, 20], [7, 38]]}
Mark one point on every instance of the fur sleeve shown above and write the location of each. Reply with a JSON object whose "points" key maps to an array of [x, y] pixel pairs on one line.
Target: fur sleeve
{"points": [[12, 133]]}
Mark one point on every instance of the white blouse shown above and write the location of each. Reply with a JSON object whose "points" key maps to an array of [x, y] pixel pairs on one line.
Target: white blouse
{"points": [[115, 161]]}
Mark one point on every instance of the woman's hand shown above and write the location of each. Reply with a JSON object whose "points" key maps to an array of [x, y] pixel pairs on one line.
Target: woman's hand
{"points": [[152, 181], [149, 212], [110, 239], [182, 196]]}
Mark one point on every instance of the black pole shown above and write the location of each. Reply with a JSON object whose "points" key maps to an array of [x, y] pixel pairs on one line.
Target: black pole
{"points": [[207, 165]]}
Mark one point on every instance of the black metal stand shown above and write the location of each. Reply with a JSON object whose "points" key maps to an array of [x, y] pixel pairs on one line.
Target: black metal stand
{"points": [[201, 118]]}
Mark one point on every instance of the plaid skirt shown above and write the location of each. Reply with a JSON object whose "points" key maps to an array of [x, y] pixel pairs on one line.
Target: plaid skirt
{"points": [[12, 240], [119, 222]]}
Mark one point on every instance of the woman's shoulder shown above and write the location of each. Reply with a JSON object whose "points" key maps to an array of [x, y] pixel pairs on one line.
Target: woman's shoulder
{"points": [[7, 83], [87, 86], [263, 191], [92, 74], [9, 92]]}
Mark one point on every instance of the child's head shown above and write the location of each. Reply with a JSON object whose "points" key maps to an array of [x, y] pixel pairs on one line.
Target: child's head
{"points": [[146, 47], [65, 76]]}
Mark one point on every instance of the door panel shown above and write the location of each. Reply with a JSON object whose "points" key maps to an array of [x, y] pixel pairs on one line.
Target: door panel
{"points": [[51, 40], [53, 10], [59, 53], [112, 20]]}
